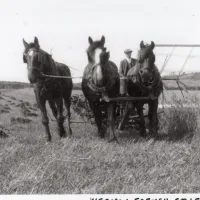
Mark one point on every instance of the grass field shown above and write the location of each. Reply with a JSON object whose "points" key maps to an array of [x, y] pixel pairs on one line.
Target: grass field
{"points": [[85, 163]]}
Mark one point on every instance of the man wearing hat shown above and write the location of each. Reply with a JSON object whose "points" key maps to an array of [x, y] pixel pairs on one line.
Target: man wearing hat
{"points": [[124, 67]]}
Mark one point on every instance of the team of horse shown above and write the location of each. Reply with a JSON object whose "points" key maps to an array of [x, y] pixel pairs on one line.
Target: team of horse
{"points": [[100, 78]]}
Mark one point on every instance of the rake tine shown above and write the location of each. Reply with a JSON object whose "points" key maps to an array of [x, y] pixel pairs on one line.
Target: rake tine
{"points": [[184, 64], [164, 64], [168, 58], [180, 88], [164, 86], [177, 81], [184, 86]]}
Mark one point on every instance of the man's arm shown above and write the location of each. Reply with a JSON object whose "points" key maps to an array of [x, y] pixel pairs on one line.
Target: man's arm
{"points": [[121, 71], [134, 61]]}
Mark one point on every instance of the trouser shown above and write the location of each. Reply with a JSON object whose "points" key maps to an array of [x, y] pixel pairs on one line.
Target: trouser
{"points": [[123, 86]]}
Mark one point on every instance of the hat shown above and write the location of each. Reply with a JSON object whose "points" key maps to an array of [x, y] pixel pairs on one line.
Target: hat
{"points": [[127, 51]]}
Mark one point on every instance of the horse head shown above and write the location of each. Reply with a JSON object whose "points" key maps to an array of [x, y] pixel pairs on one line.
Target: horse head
{"points": [[146, 60], [98, 57], [32, 56]]}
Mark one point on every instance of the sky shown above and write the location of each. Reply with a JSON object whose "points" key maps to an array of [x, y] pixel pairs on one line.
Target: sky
{"points": [[63, 27]]}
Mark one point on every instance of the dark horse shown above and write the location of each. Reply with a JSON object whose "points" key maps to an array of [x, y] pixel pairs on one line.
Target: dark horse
{"points": [[49, 89], [146, 81], [101, 78]]}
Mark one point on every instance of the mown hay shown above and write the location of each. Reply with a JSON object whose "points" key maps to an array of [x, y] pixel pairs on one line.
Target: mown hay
{"points": [[15, 120], [4, 111], [1, 98], [26, 110], [4, 133]]}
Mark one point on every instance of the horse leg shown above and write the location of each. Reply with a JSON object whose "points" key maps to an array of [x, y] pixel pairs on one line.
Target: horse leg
{"points": [[45, 120], [60, 117], [142, 129], [111, 121], [41, 104], [98, 119], [53, 107], [67, 105], [153, 118], [124, 118]]}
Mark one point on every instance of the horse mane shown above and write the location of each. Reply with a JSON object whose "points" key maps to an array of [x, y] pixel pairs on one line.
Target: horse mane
{"points": [[50, 66]]}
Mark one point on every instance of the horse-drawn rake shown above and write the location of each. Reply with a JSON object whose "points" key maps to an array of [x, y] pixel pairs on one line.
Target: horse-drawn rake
{"points": [[81, 107], [126, 114]]}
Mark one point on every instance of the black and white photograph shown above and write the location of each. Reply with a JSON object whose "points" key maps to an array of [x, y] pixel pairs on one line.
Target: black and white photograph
{"points": [[99, 97]]}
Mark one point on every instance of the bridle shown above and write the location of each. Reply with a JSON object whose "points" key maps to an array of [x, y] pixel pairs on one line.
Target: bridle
{"points": [[39, 69], [143, 86], [140, 62], [152, 80]]}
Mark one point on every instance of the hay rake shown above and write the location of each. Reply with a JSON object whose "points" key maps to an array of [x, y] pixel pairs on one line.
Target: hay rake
{"points": [[126, 115]]}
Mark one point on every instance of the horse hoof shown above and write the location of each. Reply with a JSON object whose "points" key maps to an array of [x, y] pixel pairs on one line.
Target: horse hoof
{"points": [[143, 133], [69, 135], [153, 132], [63, 134], [70, 132], [101, 134], [102, 137], [48, 138], [114, 139]]}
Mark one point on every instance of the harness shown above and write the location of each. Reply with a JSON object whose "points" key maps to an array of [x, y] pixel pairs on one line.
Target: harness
{"points": [[151, 86], [100, 90]]}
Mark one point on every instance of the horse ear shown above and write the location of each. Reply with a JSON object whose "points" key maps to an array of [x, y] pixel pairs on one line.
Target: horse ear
{"points": [[103, 40], [108, 55], [152, 45], [36, 42], [90, 40], [141, 44], [24, 59], [25, 43]]}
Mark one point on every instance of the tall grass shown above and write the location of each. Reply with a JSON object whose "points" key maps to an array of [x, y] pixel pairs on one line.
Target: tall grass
{"points": [[181, 118]]}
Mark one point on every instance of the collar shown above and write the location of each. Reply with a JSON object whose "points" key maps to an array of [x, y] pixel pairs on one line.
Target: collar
{"points": [[129, 60]]}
